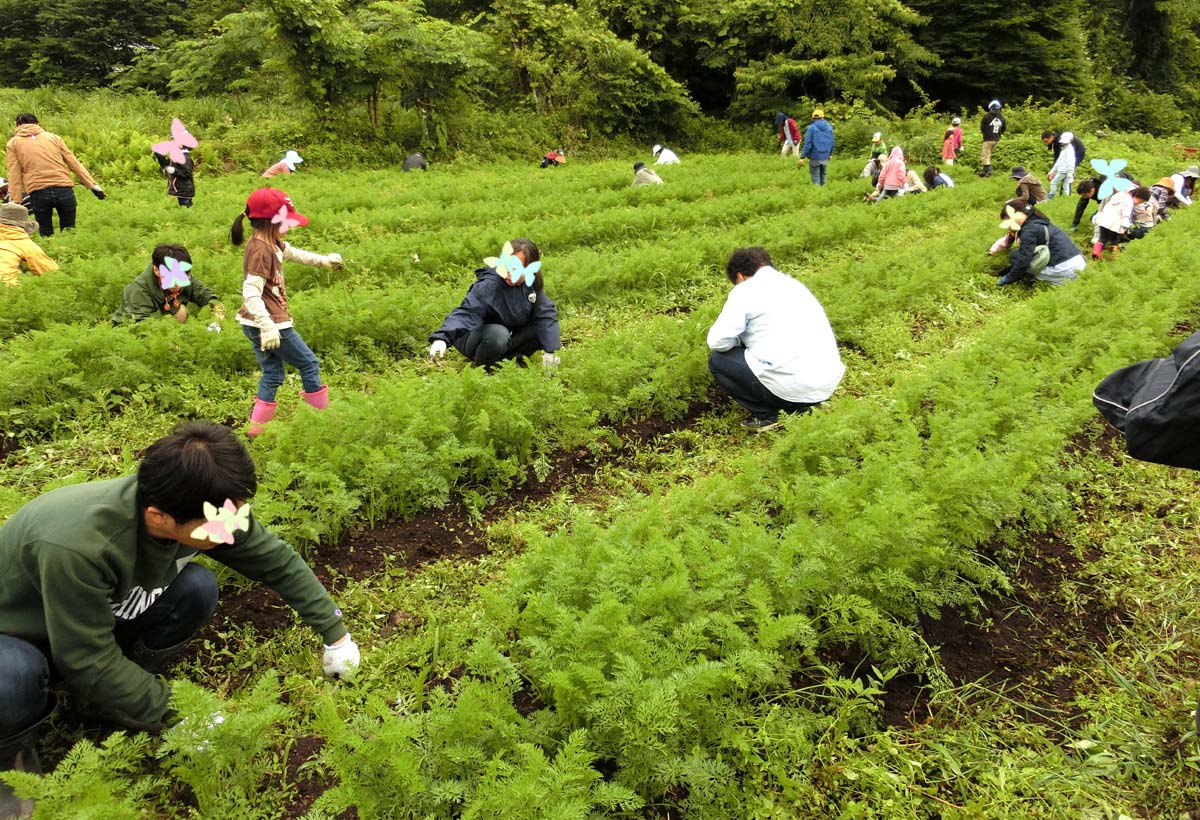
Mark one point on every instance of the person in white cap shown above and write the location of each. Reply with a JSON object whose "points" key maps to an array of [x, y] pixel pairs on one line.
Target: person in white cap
{"points": [[285, 166], [1062, 172], [956, 128], [1185, 184], [664, 156], [878, 146]]}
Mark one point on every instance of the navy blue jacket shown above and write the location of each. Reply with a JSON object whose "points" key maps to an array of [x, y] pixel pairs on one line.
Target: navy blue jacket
{"points": [[491, 300], [1036, 232], [818, 141]]}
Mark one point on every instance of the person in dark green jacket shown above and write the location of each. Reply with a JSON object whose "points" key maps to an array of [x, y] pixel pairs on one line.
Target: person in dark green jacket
{"points": [[98, 584], [158, 290]]}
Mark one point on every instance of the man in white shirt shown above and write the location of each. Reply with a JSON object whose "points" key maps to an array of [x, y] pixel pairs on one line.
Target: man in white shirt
{"points": [[772, 348], [664, 156]]}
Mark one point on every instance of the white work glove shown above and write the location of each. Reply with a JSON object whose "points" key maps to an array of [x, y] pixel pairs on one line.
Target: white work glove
{"points": [[436, 351], [169, 169], [335, 260], [341, 659], [549, 360], [269, 340]]}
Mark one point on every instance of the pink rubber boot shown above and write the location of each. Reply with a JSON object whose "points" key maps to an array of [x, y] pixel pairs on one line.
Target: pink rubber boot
{"points": [[262, 413], [1097, 249], [318, 399]]}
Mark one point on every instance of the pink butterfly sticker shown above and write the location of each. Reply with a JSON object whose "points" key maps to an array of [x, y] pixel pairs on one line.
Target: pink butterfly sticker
{"points": [[284, 220], [173, 273], [180, 138], [221, 523]]}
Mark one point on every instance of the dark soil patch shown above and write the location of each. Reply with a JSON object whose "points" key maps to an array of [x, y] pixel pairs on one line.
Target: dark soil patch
{"points": [[308, 785]]}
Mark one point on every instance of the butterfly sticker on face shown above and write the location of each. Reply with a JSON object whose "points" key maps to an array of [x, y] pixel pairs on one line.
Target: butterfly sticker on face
{"points": [[1010, 223], [222, 522], [284, 220], [510, 267], [173, 274], [180, 138], [1112, 183]]}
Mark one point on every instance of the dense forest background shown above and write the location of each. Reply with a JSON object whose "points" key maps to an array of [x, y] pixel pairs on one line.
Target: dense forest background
{"points": [[432, 71]]}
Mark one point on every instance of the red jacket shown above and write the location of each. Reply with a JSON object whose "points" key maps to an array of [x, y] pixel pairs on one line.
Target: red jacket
{"points": [[789, 127]]}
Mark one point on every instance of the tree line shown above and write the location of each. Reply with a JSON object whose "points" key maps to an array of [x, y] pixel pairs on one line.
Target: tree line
{"points": [[623, 66]]}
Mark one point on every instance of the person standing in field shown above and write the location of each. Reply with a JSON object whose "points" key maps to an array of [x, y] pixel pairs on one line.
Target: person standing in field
{"points": [[17, 248], [99, 587], [992, 128], [181, 179], [789, 134], [957, 135], [771, 348], [949, 152], [506, 313], [818, 147], [264, 315], [1062, 173], [644, 176], [39, 175], [165, 288]]}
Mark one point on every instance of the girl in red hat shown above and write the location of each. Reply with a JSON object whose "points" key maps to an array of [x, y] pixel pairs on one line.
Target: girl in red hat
{"points": [[264, 315]]}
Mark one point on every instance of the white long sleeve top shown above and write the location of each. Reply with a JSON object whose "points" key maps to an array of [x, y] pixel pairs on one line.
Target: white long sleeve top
{"points": [[789, 344]]}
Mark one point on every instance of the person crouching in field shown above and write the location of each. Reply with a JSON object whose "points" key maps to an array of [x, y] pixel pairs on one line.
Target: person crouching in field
{"points": [[893, 177], [1033, 229], [17, 246], [644, 176], [264, 315], [181, 179], [165, 288], [98, 587], [506, 313], [771, 348], [285, 166], [936, 178]]}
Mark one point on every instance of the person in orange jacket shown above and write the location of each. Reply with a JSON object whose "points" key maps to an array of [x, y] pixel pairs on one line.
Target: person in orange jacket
{"points": [[39, 175]]}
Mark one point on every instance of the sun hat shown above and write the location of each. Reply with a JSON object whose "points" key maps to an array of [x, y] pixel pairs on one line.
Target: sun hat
{"points": [[1192, 171], [956, 121], [656, 149], [1018, 172], [818, 114], [1066, 138], [877, 137], [266, 202], [17, 215], [291, 159], [1167, 183]]}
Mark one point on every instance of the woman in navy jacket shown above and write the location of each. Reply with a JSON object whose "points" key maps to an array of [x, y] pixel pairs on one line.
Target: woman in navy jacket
{"points": [[504, 315]]}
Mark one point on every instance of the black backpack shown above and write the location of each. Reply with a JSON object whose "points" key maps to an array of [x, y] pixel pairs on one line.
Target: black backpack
{"points": [[1156, 404]]}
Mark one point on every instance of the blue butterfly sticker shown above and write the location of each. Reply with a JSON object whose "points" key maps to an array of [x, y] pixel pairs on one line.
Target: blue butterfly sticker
{"points": [[510, 267], [1112, 182]]}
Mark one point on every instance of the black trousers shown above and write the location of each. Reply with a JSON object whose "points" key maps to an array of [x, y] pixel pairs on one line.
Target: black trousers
{"points": [[730, 370]]}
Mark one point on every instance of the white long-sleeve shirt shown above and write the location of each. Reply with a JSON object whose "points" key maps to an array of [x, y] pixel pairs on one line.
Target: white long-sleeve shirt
{"points": [[1065, 164], [789, 344], [667, 157], [1180, 196]]}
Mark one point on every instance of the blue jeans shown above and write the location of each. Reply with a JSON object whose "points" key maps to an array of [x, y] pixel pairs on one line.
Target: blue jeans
{"points": [[178, 614], [817, 169], [292, 350], [731, 371], [43, 204]]}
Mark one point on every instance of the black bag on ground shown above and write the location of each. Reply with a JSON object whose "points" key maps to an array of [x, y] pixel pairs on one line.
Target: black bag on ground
{"points": [[1156, 404]]}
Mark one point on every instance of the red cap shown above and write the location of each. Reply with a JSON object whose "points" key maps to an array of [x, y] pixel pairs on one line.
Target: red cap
{"points": [[266, 202]]}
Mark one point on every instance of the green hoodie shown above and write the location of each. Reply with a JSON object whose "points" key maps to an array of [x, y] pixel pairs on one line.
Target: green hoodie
{"points": [[77, 560], [144, 297]]}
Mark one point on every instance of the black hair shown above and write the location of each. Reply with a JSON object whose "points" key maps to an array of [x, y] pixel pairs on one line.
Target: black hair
{"points": [[198, 461], [949, 133], [532, 254], [1142, 193], [1046, 134], [237, 231], [160, 253], [746, 261], [639, 165], [26, 119], [1024, 206], [930, 172], [1085, 187]]}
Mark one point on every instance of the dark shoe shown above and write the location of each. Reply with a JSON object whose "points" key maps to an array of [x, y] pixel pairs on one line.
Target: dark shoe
{"points": [[761, 425], [19, 753], [986, 172], [154, 661], [1008, 279]]}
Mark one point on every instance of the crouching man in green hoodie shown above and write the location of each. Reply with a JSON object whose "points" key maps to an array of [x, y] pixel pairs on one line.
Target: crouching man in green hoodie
{"points": [[97, 586]]}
